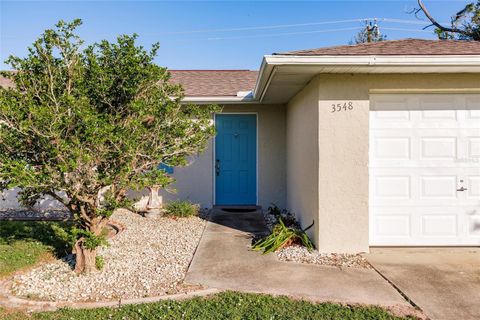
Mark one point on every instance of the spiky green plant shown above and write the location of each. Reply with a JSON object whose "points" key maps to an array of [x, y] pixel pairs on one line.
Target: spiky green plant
{"points": [[283, 236]]}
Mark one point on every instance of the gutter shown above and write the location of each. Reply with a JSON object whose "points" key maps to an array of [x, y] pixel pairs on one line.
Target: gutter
{"points": [[241, 97], [404, 61]]}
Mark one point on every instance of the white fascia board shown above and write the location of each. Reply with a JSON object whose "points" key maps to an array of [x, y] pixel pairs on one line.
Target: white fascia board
{"points": [[433, 60], [218, 100], [264, 77]]}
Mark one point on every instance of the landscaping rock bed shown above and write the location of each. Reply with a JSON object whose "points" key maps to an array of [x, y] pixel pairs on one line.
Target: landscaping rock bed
{"points": [[297, 253], [301, 254], [149, 257]]}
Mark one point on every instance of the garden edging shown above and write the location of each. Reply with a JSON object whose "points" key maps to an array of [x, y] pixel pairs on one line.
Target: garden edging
{"points": [[10, 301]]}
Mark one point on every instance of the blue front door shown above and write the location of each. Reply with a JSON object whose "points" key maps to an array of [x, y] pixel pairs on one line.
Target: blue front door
{"points": [[236, 159]]}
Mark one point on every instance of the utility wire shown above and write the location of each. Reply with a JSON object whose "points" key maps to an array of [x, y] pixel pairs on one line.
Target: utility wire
{"points": [[279, 34], [294, 33], [281, 26], [278, 26], [406, 29]]}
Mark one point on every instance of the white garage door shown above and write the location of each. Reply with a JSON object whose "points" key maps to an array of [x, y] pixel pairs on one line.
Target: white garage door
{"points": [[425, 169]]}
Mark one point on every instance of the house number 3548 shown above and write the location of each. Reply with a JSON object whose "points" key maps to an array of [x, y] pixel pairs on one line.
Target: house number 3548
{"points": [[345, 106]]}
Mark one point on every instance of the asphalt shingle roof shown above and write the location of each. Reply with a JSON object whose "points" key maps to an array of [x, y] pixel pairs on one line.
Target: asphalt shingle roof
{"points": [[214, 82], [199, 83], [408, 47]]}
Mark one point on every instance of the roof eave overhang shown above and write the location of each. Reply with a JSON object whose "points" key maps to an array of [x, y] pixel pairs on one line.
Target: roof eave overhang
{"points": [[364, 64], [218, 100]]}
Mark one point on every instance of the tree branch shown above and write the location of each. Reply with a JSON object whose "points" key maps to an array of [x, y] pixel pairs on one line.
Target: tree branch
{"points": [[436, 24]]}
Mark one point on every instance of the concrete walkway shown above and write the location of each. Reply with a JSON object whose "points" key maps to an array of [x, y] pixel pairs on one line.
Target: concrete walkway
{"points": [[443, 282], [224, 261]]}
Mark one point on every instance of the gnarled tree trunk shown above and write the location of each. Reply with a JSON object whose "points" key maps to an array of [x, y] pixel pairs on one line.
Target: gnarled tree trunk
{"points": [[85, 258]]}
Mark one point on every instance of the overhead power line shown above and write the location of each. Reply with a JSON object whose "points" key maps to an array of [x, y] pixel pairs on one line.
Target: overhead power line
{"points": [[278, 26], [293, 25], [279, 34], [406, 29], [268, 35]]}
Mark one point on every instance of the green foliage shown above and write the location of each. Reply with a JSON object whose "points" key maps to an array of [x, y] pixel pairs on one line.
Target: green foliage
{"points": [[23, 244], [466, 21], [57, 235], [283, 236], [91, 240], [464, 25], [99, 262], [82, 121], [181, 209], [226, 305], [287, 217]]}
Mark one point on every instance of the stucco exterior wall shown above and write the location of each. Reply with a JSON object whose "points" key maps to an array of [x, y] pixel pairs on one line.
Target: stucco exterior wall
{"points": [[196, 182], [271, 133], [343, 149], [302, 158]]}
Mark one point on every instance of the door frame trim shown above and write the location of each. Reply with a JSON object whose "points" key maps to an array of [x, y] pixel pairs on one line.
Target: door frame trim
{"points": [[256, 154]]}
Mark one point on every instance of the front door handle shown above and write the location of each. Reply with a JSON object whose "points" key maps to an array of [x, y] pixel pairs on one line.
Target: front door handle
{"points": [[217, 167], [462, 189]]}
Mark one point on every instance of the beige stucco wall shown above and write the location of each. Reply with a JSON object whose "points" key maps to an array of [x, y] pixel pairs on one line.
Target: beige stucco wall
{"points": [[196, 182], [302, 157], [343, 150]]}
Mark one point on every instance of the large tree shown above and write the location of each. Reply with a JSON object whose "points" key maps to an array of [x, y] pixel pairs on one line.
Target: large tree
{"points": [[86, 125], [465, 25]]}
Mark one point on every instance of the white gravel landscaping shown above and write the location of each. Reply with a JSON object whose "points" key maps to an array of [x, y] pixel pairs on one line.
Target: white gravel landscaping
{"points": [[297, 253], [300, 254], [149, 258]]}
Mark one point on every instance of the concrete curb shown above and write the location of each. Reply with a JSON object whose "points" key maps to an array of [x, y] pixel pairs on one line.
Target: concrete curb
{"points": [[9, 301]]}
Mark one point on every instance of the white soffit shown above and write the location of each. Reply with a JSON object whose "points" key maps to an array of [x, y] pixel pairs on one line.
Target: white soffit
{"points": [[282, 76]]}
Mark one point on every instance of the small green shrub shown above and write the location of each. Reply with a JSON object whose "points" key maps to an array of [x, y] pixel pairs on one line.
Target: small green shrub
{"points": [[99, 262], [283, 236], [181, 209]]}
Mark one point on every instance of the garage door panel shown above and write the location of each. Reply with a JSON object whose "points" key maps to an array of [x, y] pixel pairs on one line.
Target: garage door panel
{"points": [[473, 114], [393, 115], [393, 223], [392, 187], [473, 184], [438, 148], [392, 148], [438, 114], [474, 226], [425, 169], [440, 225], [474, 148], [438, 187]]}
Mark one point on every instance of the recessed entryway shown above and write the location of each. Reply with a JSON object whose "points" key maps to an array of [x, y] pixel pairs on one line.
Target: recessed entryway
{"points": [[236, 159], [425, 169]]}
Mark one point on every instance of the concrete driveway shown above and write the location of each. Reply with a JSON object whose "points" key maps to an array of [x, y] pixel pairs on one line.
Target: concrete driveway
{"points": [[443, 282]]}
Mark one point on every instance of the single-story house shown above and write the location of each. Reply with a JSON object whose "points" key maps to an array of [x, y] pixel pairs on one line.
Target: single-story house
{"points": [[377, 143]]}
